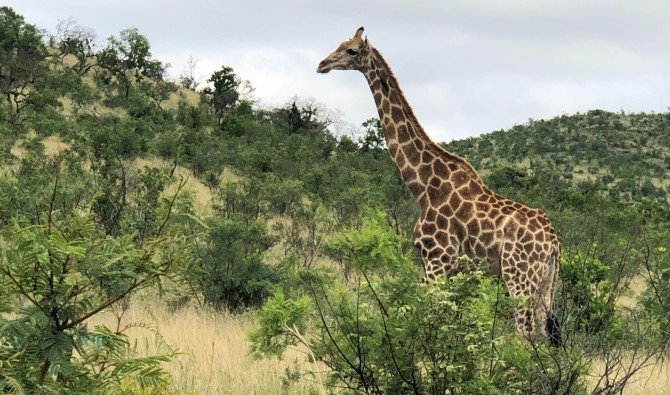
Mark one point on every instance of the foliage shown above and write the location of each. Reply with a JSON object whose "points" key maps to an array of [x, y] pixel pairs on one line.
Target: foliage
{"points": [[384, 332], [231, 272], [656, 297], [55, 275], [374, 137], [224, 93], [587, 282], [601, 178], [621, 155], [304, 236], [127, 59], [75, 40]]}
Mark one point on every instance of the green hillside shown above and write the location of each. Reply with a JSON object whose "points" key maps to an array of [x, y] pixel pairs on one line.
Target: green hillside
{"points": [[625, 156], [120, 187]]}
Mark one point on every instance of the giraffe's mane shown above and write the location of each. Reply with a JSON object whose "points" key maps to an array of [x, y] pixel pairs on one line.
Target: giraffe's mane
{"points": [[409, 113]]}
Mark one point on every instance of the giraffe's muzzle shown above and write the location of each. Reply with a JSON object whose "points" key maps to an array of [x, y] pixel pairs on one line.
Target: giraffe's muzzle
{"points": [[322, 68]]}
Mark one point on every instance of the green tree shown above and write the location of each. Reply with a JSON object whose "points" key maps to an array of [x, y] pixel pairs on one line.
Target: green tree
{"points": [[75, 40], [23, 65], [386, 333], [231, 273], [383, 332], [224, 93], [373, 138], [127, 59]]}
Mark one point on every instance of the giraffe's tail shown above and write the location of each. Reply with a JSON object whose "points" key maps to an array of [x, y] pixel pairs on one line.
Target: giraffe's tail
{"points": [[552, 326], [554, 331]]}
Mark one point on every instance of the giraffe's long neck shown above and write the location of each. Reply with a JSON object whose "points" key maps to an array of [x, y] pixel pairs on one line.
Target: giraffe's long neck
{"points": [[408, 144]]}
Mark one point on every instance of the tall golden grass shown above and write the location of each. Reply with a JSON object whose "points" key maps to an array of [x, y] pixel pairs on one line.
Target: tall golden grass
{"points": [[214, 350]]}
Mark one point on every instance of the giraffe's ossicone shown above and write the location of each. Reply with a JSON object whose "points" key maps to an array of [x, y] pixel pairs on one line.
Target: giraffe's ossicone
{"points": [[459, 214]]}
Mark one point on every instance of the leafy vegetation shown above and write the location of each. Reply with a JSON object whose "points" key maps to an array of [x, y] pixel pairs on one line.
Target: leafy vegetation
{"points": [[101, 157]]}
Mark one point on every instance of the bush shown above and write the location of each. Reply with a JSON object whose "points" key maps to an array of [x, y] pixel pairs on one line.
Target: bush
{"points": [[587, 282], [231, 272]]}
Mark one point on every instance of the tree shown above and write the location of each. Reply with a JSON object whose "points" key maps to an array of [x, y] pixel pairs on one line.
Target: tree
{"points": [[23, 64], [128, 59], [224, 93], [231, 273], [76, 40], [382, 331], [374, 136], [187, 78]]}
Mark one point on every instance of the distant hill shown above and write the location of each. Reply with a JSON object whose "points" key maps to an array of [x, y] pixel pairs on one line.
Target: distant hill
{"points": [[626, 156]]}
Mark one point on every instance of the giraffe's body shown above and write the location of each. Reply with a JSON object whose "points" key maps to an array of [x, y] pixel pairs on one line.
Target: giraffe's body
{"points": [[459, 214]]}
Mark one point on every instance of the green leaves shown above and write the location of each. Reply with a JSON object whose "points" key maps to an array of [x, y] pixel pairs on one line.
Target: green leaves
{"points": [[656, 297], [64, 271], [375, 247], [225, 93], [22, 62], [283, 323], [230, 271], [586, 280]]}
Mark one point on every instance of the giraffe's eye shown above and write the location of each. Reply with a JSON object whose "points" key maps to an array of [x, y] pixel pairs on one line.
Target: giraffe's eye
{"points": [[352, 52]]}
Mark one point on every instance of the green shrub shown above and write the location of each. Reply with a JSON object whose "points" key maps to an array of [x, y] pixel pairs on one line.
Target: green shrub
{"points": [[231, 271], [586, 281]]}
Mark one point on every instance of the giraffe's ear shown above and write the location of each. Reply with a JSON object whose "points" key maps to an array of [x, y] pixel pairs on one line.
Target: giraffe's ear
{"points": [[359, 32]]}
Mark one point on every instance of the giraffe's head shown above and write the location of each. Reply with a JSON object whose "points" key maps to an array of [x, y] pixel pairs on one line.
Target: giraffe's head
{"points": [[350, 55]]}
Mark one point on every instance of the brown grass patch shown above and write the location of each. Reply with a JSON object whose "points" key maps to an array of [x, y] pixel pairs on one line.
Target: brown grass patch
{"points": [[53, 145], [191, 97], [202, 196]]}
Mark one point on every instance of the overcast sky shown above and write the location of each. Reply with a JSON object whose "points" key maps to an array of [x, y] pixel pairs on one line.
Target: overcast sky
{"points": [[466, 67]]}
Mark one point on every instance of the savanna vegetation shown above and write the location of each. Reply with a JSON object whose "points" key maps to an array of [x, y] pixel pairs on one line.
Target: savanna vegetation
{"points": [[156, 232]]}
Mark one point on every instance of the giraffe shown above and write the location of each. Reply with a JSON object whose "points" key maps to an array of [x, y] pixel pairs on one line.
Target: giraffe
{"points": [[459, 214]]}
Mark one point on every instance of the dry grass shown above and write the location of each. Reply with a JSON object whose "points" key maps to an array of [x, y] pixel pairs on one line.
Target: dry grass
{"points": [[214, 347], [650, 380], [53, 145], [191, 97], [655, 378], [636, 286]]}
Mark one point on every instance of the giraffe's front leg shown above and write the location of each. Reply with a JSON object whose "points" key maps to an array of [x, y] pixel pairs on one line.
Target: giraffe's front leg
{"points": [[437, 260], [438, 249]]}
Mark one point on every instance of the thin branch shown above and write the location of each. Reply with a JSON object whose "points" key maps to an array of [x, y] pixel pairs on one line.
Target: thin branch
{"points": [[20, 287], [182, 183]]}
